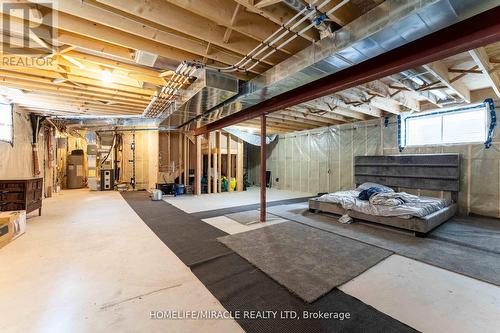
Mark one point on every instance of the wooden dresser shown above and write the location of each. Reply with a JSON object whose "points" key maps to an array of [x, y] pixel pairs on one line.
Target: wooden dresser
{"points": [[21, 194]]}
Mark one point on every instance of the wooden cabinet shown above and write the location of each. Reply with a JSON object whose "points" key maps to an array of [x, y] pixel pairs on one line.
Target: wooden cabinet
{"points": [[21, 194]]}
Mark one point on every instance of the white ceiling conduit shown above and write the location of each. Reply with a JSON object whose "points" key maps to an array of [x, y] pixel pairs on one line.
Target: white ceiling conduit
{"points": [[307, 12]]}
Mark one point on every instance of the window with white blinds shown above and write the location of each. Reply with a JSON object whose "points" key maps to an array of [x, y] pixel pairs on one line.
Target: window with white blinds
{"points": [[447, 127], [6, 126]]}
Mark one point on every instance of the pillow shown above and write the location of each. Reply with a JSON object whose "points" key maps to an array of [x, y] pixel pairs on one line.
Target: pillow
{"points": [[366, 186]]}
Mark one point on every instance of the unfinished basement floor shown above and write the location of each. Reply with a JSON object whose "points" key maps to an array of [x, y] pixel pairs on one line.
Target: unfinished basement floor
{"points": [[91, 264]]}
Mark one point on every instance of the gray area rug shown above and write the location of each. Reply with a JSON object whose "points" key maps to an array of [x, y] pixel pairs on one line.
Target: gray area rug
{"points": [[475, 263], [307, 261], [251, 217], [477, 232]]}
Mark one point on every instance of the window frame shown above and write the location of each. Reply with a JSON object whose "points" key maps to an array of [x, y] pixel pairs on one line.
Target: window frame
{"points": [[12, 119], [403, 126]]}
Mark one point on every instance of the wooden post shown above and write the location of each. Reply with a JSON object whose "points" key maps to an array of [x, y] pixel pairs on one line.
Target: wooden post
{"points": [[209, 166], [169, 162], [219, 163], [186, 160], [179, 158], [228, 164], [197, 171], [216, 172], [239, 166], [263, 168]]}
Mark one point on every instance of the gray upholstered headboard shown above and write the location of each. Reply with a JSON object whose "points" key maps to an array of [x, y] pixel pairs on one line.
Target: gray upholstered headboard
{"points": [[438, 172]]}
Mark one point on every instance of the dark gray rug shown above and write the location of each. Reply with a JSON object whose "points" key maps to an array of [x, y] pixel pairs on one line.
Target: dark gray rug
{"points": [[251, 217], [472, 262], [192, 240], [307, 261], [481, 233], [241, 287]]}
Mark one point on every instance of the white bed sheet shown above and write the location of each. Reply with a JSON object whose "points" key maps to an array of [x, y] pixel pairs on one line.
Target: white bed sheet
{"points": [[349, 200]]}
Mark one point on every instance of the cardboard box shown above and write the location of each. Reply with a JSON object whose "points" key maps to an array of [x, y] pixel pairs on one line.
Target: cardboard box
{"points": [[12, 225], [6, 230]]}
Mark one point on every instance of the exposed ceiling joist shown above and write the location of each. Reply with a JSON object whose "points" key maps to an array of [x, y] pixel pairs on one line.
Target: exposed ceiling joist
{"points": [[180, 19], [482, 61], [279, 14], [482, 29], [440, 71], [266, 3], [81, 12]]}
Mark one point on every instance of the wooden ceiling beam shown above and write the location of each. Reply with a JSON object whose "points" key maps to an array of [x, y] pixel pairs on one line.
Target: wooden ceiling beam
{"points": [[266, 3], [481, 59], [79, 106], [335, 111], [17, 25], [279, 14], [75, 31], [30, 72], [369, 100], [117, 64], [344, 14], [400, 96], [93, 70], [37, 83], [174, 17], [41, 97], [440, 71], [269, 129], [322, 116], [83, 42], [76, 111], [279, 125], [84, 99], [293, 119], [229, 28], [424, 94], [249, 23], [57, 91], [277, 122], [82, 18]]}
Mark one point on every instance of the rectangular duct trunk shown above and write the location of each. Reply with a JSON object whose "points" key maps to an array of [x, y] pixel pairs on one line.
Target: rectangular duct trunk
{"points": [[210, 89]]}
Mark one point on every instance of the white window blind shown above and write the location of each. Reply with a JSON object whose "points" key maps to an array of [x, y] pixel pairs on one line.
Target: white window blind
{"points": [[448, 127], [6, 126]]}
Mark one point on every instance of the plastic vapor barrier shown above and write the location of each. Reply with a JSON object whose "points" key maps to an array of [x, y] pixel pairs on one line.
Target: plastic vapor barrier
{"points": [[321, 160]]}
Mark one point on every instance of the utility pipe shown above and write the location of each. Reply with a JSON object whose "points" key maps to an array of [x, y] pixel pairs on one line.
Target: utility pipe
{"points": [[340, 4], [267, 42]]}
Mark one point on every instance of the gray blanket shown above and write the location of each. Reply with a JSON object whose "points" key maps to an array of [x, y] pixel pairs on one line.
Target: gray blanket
{"points": [[393, 198]]}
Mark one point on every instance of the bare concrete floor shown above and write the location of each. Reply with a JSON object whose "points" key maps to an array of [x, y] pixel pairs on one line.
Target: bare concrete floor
{"points": [[204, 202], [89, 264], [428, 298]]}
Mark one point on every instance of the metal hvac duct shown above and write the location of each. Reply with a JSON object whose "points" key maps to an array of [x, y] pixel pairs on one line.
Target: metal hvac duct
{"points": [[386, 27], [210, 89]]}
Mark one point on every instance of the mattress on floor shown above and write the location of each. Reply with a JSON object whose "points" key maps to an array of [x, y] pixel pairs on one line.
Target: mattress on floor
{"points": [[420, 207], [417, 224]]}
